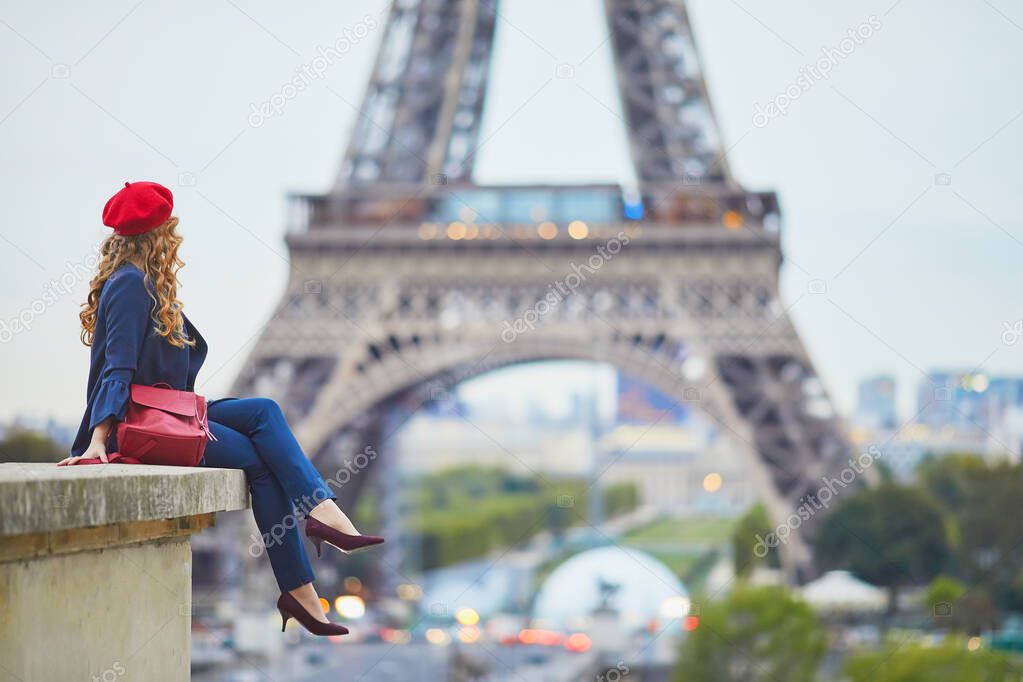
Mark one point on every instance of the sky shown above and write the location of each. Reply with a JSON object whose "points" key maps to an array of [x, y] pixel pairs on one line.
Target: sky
{"points": [[897, 173]]}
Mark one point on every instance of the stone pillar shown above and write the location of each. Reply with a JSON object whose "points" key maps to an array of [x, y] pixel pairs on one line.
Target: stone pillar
{"points": [[96, 568]]}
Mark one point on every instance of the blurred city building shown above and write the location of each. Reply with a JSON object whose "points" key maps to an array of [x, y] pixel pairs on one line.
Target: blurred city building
{"points": [[430, 443], [876, 402], [902, 450], [956, 412], [681, 470], [967, 399], [1007, 434]]}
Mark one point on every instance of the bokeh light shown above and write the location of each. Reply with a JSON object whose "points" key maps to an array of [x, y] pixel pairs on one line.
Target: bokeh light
{"points": [[577, 229], [467, 616], [350, 606], [437, 637]]}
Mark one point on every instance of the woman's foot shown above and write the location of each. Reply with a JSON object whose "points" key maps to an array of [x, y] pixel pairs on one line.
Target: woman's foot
{"points": [[321, 532], [310, 601], [312, 619], [328, 513], [327, 523]]}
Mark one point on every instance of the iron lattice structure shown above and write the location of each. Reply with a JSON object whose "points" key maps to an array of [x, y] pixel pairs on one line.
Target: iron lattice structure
{"points": [[407, 277]]}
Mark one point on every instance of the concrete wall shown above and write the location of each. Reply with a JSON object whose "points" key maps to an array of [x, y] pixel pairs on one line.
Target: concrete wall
{"points": [[96, 568], [113, 614]]}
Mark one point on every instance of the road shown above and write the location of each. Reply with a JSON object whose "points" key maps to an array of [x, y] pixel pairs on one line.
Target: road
{"points": [[380, 662]]}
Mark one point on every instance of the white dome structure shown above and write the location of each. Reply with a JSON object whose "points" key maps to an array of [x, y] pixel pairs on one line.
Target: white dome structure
{"points": [[633, 585]]}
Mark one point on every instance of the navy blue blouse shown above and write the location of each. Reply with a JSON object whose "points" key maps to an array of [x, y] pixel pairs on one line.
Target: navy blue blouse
{"points": [[127, 350]]}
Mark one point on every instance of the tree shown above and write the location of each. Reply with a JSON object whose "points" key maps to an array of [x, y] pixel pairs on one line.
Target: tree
{"points": [[947, 478], [754, 524], [28, 446], [951, 661], [891, 535], [756, 634], [954, 607], [939, 599], [982, 500], [991, 534], [942, 591], [975, 612]]}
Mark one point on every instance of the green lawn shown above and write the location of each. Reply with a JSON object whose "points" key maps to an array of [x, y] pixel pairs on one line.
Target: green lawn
{"points": [[688, 546], [680, 563], [705, 530]]}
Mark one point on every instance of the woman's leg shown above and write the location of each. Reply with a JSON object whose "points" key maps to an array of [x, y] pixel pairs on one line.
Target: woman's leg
{"points": [[272, 510], [262, 420]]}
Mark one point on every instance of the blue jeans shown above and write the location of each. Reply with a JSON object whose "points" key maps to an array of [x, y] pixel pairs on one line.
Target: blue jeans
{"points": [[253, 435]]}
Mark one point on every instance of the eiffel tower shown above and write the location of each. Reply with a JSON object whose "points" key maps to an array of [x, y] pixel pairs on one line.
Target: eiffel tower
{"points": [[408, 277]]}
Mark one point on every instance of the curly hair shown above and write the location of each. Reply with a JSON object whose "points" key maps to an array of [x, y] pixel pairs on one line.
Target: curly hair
{"points": [[155, 253]]}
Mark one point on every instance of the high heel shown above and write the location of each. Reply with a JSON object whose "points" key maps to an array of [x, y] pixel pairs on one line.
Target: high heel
{"points": [[289, 607], [320, 532], [285, 616]]}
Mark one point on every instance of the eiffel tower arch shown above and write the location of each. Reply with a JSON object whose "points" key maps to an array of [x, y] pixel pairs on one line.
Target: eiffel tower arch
{"points": [[407, 277]]}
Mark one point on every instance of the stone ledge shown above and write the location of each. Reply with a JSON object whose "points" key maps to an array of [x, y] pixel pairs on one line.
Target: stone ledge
{"points": [[43, 498], [35, 545]]}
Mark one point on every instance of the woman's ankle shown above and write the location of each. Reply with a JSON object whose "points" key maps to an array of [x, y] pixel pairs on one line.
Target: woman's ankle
{"points": [[322, 512], [327, 512], [306, 596]]}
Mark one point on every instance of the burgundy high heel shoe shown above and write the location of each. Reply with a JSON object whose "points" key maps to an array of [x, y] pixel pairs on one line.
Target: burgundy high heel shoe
{"points": [[290, 608], [321, 532]]}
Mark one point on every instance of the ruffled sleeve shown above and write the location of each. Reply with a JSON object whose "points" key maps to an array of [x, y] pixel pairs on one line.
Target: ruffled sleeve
{"points": [[125, 305]]}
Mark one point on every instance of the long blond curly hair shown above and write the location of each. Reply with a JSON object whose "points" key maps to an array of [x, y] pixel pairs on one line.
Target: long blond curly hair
{"points": [[155, 253]]}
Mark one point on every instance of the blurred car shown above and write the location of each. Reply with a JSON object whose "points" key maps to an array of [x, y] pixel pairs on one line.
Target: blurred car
{"points": [[504, 628]]}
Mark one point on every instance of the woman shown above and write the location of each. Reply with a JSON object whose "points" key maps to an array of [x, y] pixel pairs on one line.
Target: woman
{"points": [[134, 323]]}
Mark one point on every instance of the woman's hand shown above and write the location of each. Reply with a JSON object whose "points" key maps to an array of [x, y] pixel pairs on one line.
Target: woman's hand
{"points": [[94, 451], [97, 447]]}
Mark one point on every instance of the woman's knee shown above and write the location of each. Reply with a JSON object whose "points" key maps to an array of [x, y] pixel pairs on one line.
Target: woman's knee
{"points": [[234, 450], [267, 406]]}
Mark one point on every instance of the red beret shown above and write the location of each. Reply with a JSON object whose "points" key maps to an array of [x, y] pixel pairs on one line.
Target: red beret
{"points": [[138, 208]]}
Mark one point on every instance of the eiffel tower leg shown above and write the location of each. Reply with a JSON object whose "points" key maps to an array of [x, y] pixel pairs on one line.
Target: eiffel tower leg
{"points": [[723, 398], [796, 438]]}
